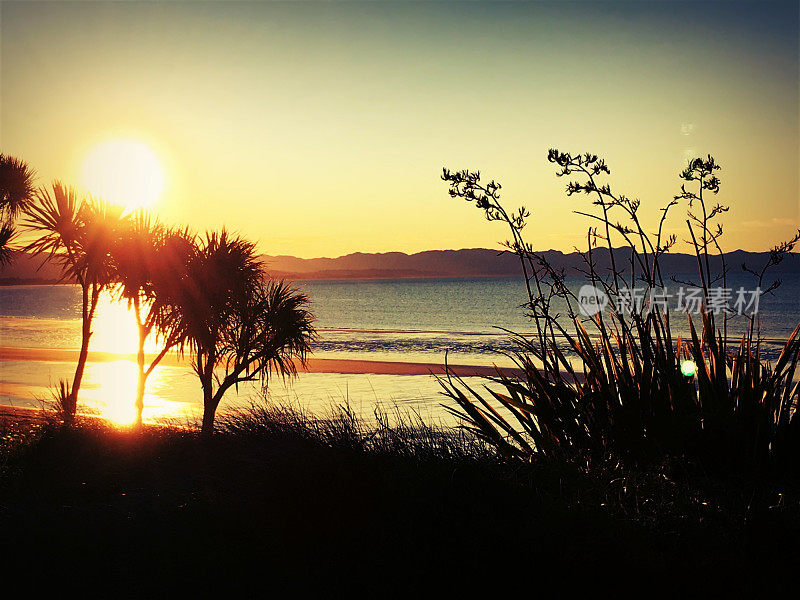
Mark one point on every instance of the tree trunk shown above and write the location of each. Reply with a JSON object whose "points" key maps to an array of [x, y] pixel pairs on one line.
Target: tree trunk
{"points": [[140, 394], [86, 332], [79, 369], [209, 412], [142, 374], [210, 404]]}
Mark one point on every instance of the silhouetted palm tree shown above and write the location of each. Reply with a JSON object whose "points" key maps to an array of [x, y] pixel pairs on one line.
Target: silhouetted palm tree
{"points": [[7, 234], [79, 236], [16, 191], [237, 326], [147, 259]]}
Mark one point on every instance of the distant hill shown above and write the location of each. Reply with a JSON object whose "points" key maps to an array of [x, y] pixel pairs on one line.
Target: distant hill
{"points": [[481, 262], [470, 262], [475, 262], [26, 268]]}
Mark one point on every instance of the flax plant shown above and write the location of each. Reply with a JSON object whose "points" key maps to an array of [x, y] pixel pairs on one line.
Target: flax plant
{"points": [[610, 384]]}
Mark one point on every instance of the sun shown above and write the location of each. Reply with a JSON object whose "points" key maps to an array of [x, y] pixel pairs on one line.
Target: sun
{"points": [[124, 172]]}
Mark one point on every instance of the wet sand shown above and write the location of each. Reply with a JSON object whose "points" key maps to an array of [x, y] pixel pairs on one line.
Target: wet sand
{"points": [[313, 365]]}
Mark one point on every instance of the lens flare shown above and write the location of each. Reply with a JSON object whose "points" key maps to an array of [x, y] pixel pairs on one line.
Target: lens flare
{"points": [[689, 368]]}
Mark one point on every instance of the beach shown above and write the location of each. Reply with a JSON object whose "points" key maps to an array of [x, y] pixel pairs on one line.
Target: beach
{"points": [[312, 365], [381, 343]]}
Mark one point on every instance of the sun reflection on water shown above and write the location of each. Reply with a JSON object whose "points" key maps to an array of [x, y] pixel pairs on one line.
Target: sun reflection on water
{"points": [[114, 329], [116, 388], [110, 391], [109, 387]]}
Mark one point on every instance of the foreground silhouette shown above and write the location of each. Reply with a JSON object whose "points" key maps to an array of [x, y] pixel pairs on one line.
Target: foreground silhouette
{"points": [[16, 191], [208, 295], [147, 260], [627, 397], [279, 500], [78, 235], [238, 327]]}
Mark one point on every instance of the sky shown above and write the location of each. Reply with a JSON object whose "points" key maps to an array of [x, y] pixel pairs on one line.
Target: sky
{"points": [[321, 129]]}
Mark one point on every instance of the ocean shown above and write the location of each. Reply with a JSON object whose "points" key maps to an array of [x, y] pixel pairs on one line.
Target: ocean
{"points": [[402, 320]]}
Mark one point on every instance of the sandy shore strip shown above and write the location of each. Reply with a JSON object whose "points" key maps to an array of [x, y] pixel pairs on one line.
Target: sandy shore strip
{"points": [[21, 414], [314, 365]]}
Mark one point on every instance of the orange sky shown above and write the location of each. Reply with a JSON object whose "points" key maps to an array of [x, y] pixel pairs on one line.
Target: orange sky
{"points": [[321, 129]]}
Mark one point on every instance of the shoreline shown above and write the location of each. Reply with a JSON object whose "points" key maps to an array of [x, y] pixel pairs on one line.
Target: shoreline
{"points": [[343, 366]]}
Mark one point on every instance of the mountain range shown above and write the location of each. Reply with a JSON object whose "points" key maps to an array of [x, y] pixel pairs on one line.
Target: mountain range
{"points": [[470, 262]]}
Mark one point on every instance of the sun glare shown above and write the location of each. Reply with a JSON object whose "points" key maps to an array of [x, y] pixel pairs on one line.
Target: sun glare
{"points": [[110, 386], [115, 328], [124, 172], [110, 392]]}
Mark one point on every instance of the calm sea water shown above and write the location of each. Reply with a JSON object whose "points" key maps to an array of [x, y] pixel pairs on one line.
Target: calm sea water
{"points": [[413, 320]]}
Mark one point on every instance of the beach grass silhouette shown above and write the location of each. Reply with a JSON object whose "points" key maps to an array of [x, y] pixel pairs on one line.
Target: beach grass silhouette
{"points": [[628, 396]]}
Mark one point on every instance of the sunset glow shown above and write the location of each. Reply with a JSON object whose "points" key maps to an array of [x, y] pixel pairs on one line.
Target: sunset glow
{"points": [[284, 122], [124, 172], [362, 294]]}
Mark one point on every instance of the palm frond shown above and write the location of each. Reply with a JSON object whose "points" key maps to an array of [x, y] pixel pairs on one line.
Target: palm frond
{"points": [[16, 185], [7, 235]]}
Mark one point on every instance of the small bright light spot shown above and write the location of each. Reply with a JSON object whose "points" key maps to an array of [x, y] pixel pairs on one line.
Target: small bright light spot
{"points": [[688, 368], [124, 172]]}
